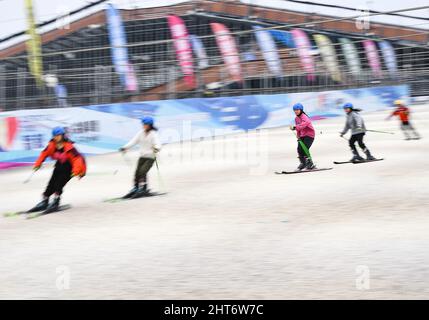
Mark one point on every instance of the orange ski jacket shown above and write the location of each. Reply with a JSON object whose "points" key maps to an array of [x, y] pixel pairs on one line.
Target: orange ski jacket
{"points": [[402, 112], [69, 154]]}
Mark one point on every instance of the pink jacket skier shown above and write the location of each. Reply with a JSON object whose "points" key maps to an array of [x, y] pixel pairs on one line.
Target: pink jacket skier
{"points": [[305, 133], [304, 127]]}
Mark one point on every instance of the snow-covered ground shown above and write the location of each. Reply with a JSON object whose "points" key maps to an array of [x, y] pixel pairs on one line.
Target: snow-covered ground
{"points": [[229, 227]]}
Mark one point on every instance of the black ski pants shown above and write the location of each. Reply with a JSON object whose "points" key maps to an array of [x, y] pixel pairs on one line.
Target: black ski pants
{"points": [[308, 141], [359, 139], [60, 177]]}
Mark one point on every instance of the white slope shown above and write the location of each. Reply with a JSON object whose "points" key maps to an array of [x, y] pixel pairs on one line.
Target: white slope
{"points": [[229, 227]]}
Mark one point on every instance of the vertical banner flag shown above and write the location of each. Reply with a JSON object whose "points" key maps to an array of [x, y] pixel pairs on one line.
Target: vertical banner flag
{"points": [[373, 58], [119, 49], [269, 50], [33, 45], [200, 51], [303, 46], [351, 56], [389, 57], [329, 56], [228, 49], [183, 48]]}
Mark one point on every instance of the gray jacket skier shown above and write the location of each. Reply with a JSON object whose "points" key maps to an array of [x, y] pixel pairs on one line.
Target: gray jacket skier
{"points": [[355, 123]]}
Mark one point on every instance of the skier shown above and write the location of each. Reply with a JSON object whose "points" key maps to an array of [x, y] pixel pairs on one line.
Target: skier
{"points": [[355, 123], [403, 113], [305, 134], [149, 147], [70, 163]]}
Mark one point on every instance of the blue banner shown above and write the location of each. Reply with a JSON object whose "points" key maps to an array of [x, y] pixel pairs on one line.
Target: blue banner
{"points": [[99, 129], [269, 51], [119, 49], [389, 57]]}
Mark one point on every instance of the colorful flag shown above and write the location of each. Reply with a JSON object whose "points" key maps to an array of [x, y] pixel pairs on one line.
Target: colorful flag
{"points": [[269, 50], [303, 45], [228, 49], [351, 56], [373, 57], [329, 56], [389, 57], [33, 45], [119, 50], [200, 51], [183, 48]]}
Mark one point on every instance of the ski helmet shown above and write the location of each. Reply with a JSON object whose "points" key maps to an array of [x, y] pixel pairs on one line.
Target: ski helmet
{"points": [[147, 120], [348, 105], [298, 106], [58, 131], [398, 102]]}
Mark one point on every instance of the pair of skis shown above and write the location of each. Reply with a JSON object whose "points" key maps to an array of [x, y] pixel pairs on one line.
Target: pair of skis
{"points": [[145, 195], [357, 162], [324, 169], [302, 171], [31, 214]]}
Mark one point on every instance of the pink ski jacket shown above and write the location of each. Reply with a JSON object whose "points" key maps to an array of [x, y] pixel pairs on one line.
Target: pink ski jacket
{"points": [[303, 125]]}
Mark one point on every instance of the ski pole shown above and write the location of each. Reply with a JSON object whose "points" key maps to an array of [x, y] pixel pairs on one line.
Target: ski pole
{"points": [[160, 181], [127, 161], [377, 131], [29, 177], [303, 146]]}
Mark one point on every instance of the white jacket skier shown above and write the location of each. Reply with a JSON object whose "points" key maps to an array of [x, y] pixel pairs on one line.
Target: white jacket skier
{"points": [[149, 143]]}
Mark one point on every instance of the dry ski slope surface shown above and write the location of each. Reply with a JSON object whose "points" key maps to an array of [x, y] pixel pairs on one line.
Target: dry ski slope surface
{"points": [[230, 227]]}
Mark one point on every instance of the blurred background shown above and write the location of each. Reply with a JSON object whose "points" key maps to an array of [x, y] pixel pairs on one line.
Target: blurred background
{"points": [[100, 52]]}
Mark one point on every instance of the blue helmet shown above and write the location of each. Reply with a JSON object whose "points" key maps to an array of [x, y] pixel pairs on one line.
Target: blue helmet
{"points": [[348, 105], [58, 131], [147, 120], [298, 106]]}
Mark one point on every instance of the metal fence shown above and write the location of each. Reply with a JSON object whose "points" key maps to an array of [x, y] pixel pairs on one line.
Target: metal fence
{"points": [[81, 61]]}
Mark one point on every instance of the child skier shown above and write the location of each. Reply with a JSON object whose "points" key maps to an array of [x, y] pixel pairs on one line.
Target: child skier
{"points": [[403, 113], [305, 133], [70, 163], [149, 143], [355, 123]]}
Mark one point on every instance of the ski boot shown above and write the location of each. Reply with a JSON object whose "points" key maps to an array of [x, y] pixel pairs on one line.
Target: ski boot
{"points": [[369, 156], [53, 206], [132, 192], [42, 205], [141, 192], [356, 157], [309, 165], [302, 165]]}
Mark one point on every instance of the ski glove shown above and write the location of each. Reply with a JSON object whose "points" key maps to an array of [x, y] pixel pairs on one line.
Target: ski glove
{"points": [[36, 168], [122, 149], [292, 128]]}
